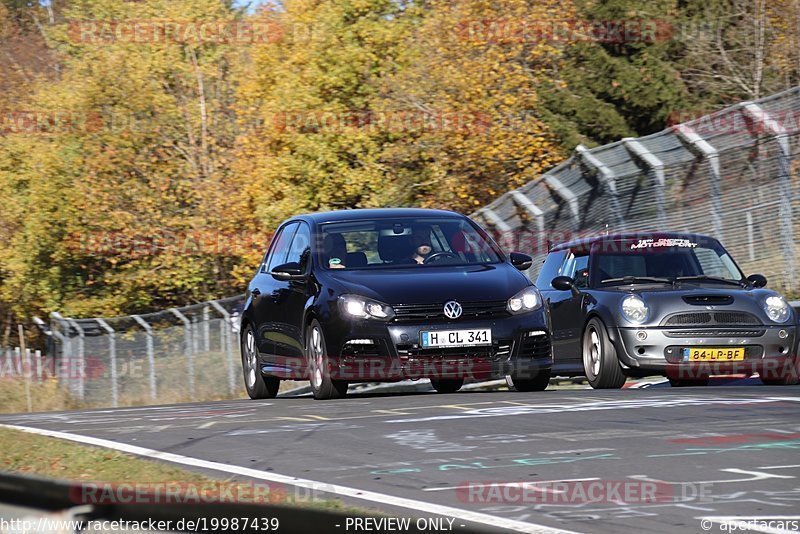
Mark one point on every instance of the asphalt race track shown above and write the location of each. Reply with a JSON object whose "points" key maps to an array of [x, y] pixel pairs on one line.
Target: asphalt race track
{"points": [[711, 452]]}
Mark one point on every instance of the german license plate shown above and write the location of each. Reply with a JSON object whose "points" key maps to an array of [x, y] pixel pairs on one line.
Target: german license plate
{"points": [[713, 354], [456, 338]]}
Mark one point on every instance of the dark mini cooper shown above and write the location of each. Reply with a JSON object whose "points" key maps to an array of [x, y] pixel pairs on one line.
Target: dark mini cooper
{"points": [[387, 295], [670, 304]]}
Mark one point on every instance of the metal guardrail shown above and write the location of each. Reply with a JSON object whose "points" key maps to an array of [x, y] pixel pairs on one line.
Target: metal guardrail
{"points": [[53, 496]]}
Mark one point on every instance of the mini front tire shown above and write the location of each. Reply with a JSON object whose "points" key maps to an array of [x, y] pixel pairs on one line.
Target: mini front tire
{"points": [[600, 358]]}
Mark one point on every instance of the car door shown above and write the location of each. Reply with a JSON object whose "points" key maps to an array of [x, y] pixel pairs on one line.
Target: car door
{"points": [[263, 287], [289, 299], [567, 309]]}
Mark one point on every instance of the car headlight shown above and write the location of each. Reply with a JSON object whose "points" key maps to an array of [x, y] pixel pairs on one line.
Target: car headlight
{"points": [[777, 309], [634, 309], [364, 308], [526, 300]]}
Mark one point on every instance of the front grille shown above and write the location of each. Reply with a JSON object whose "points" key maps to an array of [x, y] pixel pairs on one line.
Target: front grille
{"points": [[715, 333], [497, 352], [687, 319], [711, 318], [471, 310], [735, 318], [708, 300], [535, 347]]}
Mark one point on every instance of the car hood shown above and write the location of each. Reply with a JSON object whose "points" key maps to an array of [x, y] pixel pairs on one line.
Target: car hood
{"points": [[663, 300], [422, 285]]}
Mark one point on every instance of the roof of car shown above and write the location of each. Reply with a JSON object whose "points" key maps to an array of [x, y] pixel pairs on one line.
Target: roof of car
{"points": [[375, 213], [586, 242]]}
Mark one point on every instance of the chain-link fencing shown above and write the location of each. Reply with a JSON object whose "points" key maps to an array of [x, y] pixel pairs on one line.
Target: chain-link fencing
{"points": [[179, 354], [734, 175]]}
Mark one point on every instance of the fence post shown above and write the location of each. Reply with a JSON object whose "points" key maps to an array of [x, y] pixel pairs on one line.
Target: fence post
{"points": [[654, 166], [565, 194], [112, 358], [81, 359], [190, 346], [66, 350], [225, 340], [26, 373], [50, 343], [698, 145], [150, 355], [206, 329], [781, 138], [607, 178]]}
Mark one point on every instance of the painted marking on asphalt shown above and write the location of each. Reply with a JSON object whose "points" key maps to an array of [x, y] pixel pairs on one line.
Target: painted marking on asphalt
{"points": [[532, 483], [659, 402], [781, 467], [756, 475], [341, 491], [207, 425], [319, 417], [457, 407]]}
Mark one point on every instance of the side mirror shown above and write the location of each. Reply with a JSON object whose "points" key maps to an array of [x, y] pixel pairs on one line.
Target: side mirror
{"points": [[564, 283], [757, 280], [521, 261], [288, 271]]}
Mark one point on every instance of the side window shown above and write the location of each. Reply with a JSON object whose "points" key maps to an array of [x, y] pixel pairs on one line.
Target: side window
{"points": [[550, 269], [577, 268], [280, 246], [300, 250]]}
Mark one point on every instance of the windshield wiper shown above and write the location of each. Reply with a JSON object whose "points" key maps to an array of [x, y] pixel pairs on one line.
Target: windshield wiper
{"points": [[703, 277], [636, 279]]}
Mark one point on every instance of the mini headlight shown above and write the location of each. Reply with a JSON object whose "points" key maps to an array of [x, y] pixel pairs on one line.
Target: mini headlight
{"points": [[526, 300], [364, 308], [777, 309], [634, 309]]}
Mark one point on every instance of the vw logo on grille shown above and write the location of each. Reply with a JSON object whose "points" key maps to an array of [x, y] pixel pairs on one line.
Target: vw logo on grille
{"points": [[452, 309]]}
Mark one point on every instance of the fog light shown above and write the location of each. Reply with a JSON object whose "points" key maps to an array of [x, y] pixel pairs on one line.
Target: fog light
{"points": [[783, 334], [535, 333], [361, 342], [641, 336]]}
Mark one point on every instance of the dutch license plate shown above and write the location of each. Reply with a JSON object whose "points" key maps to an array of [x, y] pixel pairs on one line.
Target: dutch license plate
{"points": [[713, 354], [456, 338]]}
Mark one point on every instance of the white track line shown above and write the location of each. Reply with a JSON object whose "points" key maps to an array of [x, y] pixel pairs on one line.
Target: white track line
{"points": [[342, 491]]}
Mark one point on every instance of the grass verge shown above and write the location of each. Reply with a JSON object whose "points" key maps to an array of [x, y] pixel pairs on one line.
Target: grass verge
{"points": [[26, 453]]}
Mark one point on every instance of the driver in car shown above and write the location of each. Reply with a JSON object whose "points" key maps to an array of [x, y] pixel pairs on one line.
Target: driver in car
{"points": [[334, 249], [421, 239]]}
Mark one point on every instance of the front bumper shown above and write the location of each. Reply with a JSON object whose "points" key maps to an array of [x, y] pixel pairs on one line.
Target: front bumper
{"points": [[768, 349], [362, 351]]}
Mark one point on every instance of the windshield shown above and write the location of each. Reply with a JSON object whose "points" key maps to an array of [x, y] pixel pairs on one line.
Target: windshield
{"points": [[665, 259], [404, 242]]}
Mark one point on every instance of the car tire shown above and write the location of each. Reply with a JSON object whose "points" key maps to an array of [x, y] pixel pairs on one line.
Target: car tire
{"points": [[524, 385], [258, 386], [450, 385], [687, 383], [319, 375], [600, 358]]}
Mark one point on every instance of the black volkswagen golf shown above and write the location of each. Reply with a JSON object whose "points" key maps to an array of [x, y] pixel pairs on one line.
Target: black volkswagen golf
{"points": [[391, 294]]}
